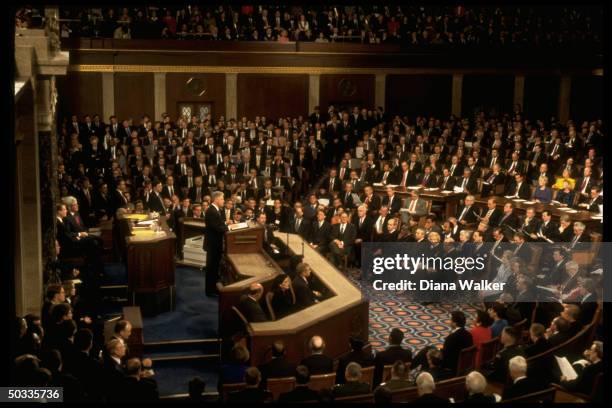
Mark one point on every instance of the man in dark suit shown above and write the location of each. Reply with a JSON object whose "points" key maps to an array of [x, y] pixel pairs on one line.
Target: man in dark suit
{"points": [[320, 232], [357, 355], [586, 377], [249, 304], [593, 202], [508, 221], [371, 200], [457, 340], [213, 240], [519, 188], [492, 179], [363, 226], [156, 202], [332, 182], [114, 372], [252, 393], [301, 393], [467, 215], [317, 362], [278, 366], [83, 366], [342, 239], [136, 387], [476, 384], [545, 369], [393, 201], [497, 370], [394, 352], [427, 179], [467, 183], [521, 383], [352, 385], [425, 388], [299, 225], [446, 181], [304, 294]]}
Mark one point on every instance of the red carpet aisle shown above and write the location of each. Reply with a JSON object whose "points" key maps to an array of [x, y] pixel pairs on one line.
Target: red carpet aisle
{"points": [[422, 324]]}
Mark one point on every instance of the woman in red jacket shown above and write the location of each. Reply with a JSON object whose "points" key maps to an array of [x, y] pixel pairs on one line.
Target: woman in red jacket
{"points": [[481, 332]]}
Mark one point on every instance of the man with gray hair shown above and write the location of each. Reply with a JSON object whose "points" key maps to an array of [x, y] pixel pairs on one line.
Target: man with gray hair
{"points": [[317, 362], [353, 385], [213, 241], [425, 388], [521, 384], [476, 383]]}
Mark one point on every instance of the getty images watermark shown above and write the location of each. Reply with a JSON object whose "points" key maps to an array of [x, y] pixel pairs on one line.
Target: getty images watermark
{"points": [[455, 271]]}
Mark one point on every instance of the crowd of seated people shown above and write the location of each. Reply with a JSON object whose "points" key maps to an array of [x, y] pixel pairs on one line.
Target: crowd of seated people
{"points": [[61, 349], [511, 373], [410, 25]]}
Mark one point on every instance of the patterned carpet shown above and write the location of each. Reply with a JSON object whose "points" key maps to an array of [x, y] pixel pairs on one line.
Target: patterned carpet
{"points": [[422, 325]]}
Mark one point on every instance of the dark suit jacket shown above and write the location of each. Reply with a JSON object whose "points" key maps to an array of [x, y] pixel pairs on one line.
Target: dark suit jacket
{"points": [[320, 236], [350, 233], [301, 393], [214, 231], [389, 356], [349, 389], [521, 387], [497, 370], [365, 231], [249, 395], [276, 368], [362, 357], [303, 292], [524, 192], [585, 380], [156, 203], [453, 344], [395, 205], [471, 184], [469, 216], [480, 398], [430, 398], [318, 364], [251, 310], [448, 185]]}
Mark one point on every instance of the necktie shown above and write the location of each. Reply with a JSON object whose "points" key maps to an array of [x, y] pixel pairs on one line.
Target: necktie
{"points": [[424, 182], [379, 225], [554, 150], [584, 184], [360, 222], [78, 220], [342, 229], [331, 184], [297, 224], [512, 167], [518, 188], [453, 169], [171, 191], [464, 183], [404, 178], [489, 213], [385, 176], [463, 213], [412, 206], [491, 178]]}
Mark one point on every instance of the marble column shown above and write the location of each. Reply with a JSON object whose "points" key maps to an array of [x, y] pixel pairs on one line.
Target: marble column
{"points": [[160, 94], [231, 96], [519, 90], [380, 89], [313, 91], [565, 91], [457, 94], [108, 96]]}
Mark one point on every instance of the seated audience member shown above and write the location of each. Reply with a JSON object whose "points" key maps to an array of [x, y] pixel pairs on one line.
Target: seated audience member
{"points": [[249, 304], [457, 340], [587, 370], [301, 392], [357, 354], [558, 331], [565, 195], [476, 383], [278, 366], [252, 393], [542, 193], [496, 311], [196, 386], [434, 362], [352, 385], [394, 352], [497, 370], [317, 362], [283, 301], [320, 232], [521, 384], [302, 286], [136, 386], [233, 371], [399, 377], [565, 178], [85, 367], [481, 332], [383, 396], [113, 369], [342, 239], [544, 369], [571, 313], [52, 360], [425, 388]]}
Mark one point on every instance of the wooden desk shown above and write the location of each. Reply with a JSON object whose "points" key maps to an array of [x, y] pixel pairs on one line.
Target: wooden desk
{"points": [[150, 267], [521, 206], [450, 201], [335, 318]]}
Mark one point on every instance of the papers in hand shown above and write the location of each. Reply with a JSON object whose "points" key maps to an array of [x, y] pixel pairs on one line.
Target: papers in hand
{"points": [[529, 202], [431, 189], [518, 200], [324, 201], [570, 211], [377, 184], [555, 202], [457, 189], [414, 187], [509, 197], [270, 203], [566, 368], [392, 185], [447, 192]]}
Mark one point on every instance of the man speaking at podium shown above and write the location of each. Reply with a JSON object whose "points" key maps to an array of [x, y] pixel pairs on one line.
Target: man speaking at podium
{"points": [[213, 241]]}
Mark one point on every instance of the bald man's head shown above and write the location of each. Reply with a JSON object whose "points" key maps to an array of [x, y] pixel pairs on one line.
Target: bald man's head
{"points": [[317, 345]]}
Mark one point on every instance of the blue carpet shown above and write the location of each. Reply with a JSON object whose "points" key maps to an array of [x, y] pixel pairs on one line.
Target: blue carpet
{"points": [[195, 315], [173, 377], [114, 274]]}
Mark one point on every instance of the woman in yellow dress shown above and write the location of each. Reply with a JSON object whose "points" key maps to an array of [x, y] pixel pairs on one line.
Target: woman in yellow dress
{"points": [[564, 177]]}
